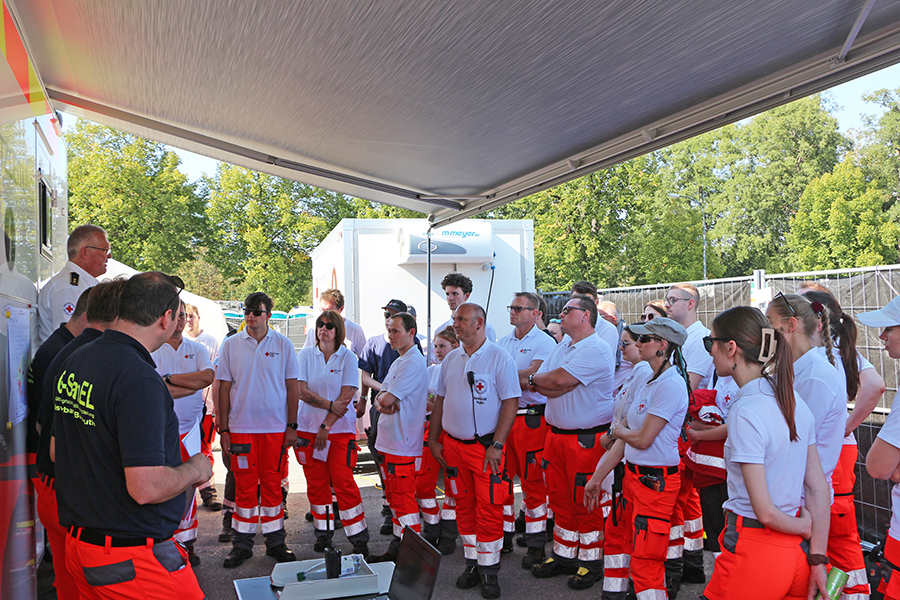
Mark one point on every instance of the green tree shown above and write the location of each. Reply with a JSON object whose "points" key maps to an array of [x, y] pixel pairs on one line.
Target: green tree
{"points": [[841, 223], [264, 227], [132, 187], [880, 152], [205, 279]]}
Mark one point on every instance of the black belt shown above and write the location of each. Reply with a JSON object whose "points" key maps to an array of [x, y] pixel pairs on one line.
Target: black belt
{"points": [[484, 440], [732, 518], [847, 494], [597, 429], [532, 409], [657, 471], [96, 538]]}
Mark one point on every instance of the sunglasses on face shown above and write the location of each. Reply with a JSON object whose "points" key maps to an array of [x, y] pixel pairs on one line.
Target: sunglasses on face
{"points": [[321, 324], [645, 318], [567, 309], [518, 309], [624, 345], [708, 342], [256, 312], [645, 339], [388, 315]]}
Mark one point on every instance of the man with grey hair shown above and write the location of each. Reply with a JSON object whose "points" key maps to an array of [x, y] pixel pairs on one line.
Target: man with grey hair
{"points": [[88, 251]]}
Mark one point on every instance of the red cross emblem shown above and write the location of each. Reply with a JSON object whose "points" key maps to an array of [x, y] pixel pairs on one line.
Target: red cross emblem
{"points": [[480, 387], [185, 355], [267, 353], [68, 308], [331, 371], [523, 351]]}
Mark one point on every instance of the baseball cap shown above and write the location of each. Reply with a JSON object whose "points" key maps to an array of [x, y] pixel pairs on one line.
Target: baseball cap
{"points": [[668, 329], [889, 316], [397, 305]]}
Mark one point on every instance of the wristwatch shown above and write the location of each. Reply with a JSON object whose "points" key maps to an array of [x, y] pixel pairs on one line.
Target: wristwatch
{"points": [[817, 559], [168, 378], [292, 426], [325, 427], [531, 379], [498, 445]]}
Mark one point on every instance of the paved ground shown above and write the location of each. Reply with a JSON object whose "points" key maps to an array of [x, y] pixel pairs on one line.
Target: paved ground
{"points": [[216, 581]]}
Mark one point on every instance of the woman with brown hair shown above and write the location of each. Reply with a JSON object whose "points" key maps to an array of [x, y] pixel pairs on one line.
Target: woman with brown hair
{"points": [[772, 462]]}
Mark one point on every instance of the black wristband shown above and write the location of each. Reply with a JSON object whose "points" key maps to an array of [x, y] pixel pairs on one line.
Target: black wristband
{"points": [[221, 431], [817, 559]]}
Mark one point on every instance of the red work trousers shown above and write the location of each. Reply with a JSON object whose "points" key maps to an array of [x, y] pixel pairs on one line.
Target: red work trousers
{"points": [[617, 543], [337, 472], [259, 468], [524, 455], [758, 563], [399, 476], [207, 437], [844, 548], [687, 524], [148, 572], [649, 512], [48, 511], [426, 484], [892, 554], [480, 497], [569, 461]]}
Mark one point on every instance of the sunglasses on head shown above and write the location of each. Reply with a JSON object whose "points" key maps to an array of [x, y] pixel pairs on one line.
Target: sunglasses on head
{"points": [[321, 324], [256, 312], [644, 339]]}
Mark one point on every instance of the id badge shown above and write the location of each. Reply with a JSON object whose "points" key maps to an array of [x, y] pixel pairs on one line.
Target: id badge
{"points": [[242, 462]]}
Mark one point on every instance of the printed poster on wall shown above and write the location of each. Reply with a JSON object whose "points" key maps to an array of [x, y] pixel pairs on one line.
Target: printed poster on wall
{"points": [[18, 336]]}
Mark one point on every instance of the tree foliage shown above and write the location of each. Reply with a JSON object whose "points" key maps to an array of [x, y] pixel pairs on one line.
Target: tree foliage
{"points": [[132, 187]]}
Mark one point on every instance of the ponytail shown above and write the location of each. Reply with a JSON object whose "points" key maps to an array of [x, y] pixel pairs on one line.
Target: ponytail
{"points": [[841, 327], [782, 365]]}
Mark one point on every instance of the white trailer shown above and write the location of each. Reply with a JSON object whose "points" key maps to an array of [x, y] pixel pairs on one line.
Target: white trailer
{"points": [[374, 260]]}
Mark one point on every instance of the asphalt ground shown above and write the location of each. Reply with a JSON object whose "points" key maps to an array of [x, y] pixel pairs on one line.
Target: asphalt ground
{"points": [[217, 582]]}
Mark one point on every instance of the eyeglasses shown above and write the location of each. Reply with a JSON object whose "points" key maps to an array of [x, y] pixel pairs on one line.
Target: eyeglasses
{"points": [[673, 299], [708, 342], [624, 345], [179, 287], [567, 309], [648, 317], [781, 295], [518, 309], [256, 312], [646, 339], [108, 251], [321, 324]]}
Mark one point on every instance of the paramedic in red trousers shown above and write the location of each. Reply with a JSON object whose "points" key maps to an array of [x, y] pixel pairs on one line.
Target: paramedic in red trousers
{"points": [[529, 348], [185, 367], [577, 380], [258, 396], [476, 402], [883, 459], [120, 479], [401, 403], [685, 558]]}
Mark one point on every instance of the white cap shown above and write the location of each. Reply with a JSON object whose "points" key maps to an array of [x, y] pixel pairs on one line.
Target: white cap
{"points": [[889, 316]]}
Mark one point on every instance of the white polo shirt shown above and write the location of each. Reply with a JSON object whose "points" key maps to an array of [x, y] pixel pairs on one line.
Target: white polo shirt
{"points": [[258, 371], [608, 332], [209, 342], [758, 434], [819, 384], [890, 433], [698, 360], [667, 398], [474, 410], [637, 377], [726, 389], [352, 333], [861, 364], [57, 298], [402, 432], [590, 404], [534, 345], [326, 380], [190, 356]]}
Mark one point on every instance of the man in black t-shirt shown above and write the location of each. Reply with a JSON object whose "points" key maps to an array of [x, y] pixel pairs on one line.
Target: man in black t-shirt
{"points": [[120, 480]]}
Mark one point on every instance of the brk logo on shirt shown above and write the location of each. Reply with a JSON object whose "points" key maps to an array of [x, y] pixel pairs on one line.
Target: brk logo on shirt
{"points": [[642, 408], [68, 308], [525, 350], [271, 354], [335, 371], [189, 356], [480, 387]]}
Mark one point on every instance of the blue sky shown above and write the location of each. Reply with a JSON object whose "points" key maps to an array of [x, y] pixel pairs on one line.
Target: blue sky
{"points": [[848, 97]]}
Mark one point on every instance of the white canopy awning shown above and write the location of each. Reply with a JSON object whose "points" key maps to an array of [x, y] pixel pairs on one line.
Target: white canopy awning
{"points": [[446, 108]]}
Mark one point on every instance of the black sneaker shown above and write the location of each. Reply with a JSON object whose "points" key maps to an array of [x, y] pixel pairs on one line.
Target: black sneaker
{"points": [[584, 578], [308, 516], [469, 578], [507, 543], [281, 553], [361, 548], [192, 556], [690, 575], [225, 536], [212, 503], [236, 558], [551, 568], [490, 588], [446, 545], [533, 557], [387, 528]]}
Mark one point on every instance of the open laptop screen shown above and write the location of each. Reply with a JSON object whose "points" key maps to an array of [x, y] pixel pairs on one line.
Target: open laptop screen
{"points": [[416, 569]]}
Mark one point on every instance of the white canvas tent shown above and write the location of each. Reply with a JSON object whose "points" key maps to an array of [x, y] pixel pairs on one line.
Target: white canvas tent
{"points": [[212, 319], [446, 108]]}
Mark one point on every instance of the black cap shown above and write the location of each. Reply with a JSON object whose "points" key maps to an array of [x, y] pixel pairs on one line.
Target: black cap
{"points": [[397, 305]]}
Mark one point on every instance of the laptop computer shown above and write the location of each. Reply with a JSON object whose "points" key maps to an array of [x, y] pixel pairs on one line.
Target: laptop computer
{"points": [[415, 573]]}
